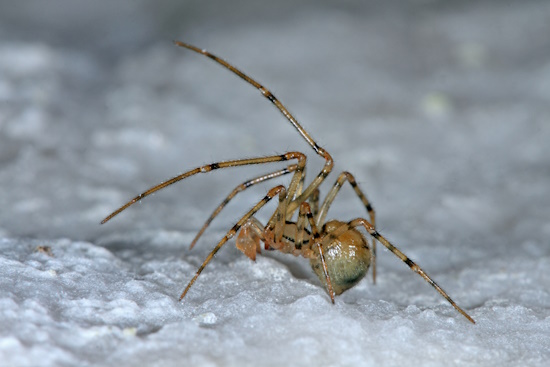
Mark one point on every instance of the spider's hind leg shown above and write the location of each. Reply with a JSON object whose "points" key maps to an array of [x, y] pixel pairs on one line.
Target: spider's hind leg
{"points": [[412, 265], [321, 215]]}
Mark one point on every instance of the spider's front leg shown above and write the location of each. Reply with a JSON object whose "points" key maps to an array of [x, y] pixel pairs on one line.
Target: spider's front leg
{"points": [[277, 190]]}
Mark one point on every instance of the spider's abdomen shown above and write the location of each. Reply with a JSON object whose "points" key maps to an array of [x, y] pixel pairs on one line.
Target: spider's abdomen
{"points": [[347, 257]]}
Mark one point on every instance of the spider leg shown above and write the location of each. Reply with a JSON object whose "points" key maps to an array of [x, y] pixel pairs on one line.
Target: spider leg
{"points": [[321, 215], [302, 236], [313, 186], [414, 267], [293, 191], [294, 203], [265, 92], [280, 218], [277, 190], [236, 190], [305, 211], [210, 167], [314, 202]]}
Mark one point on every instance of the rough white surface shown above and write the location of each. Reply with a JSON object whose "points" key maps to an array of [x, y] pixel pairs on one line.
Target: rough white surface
{"points": [[441, 111]]}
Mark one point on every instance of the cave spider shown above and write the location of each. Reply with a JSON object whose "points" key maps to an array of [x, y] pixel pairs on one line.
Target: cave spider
{"points": [[339, 253]]}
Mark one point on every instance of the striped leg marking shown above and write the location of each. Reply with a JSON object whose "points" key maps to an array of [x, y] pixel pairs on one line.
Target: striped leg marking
{"points": [[238, 189], [320, 217], [293, 205], [277, 190], [211, 167], [414, 267]]}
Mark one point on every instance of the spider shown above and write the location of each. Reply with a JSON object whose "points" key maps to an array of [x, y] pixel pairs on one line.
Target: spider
{"points": [[338, 252]]}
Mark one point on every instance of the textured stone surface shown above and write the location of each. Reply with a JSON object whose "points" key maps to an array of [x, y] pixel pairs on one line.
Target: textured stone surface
{"points": [[440, 109]]}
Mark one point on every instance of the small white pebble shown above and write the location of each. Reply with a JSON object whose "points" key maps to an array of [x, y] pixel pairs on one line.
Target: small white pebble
{"points": [[207, 318], [129, 331]]}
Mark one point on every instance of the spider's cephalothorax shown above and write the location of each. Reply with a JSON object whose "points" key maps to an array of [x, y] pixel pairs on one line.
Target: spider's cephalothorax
{"points": [[338, 252]]}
